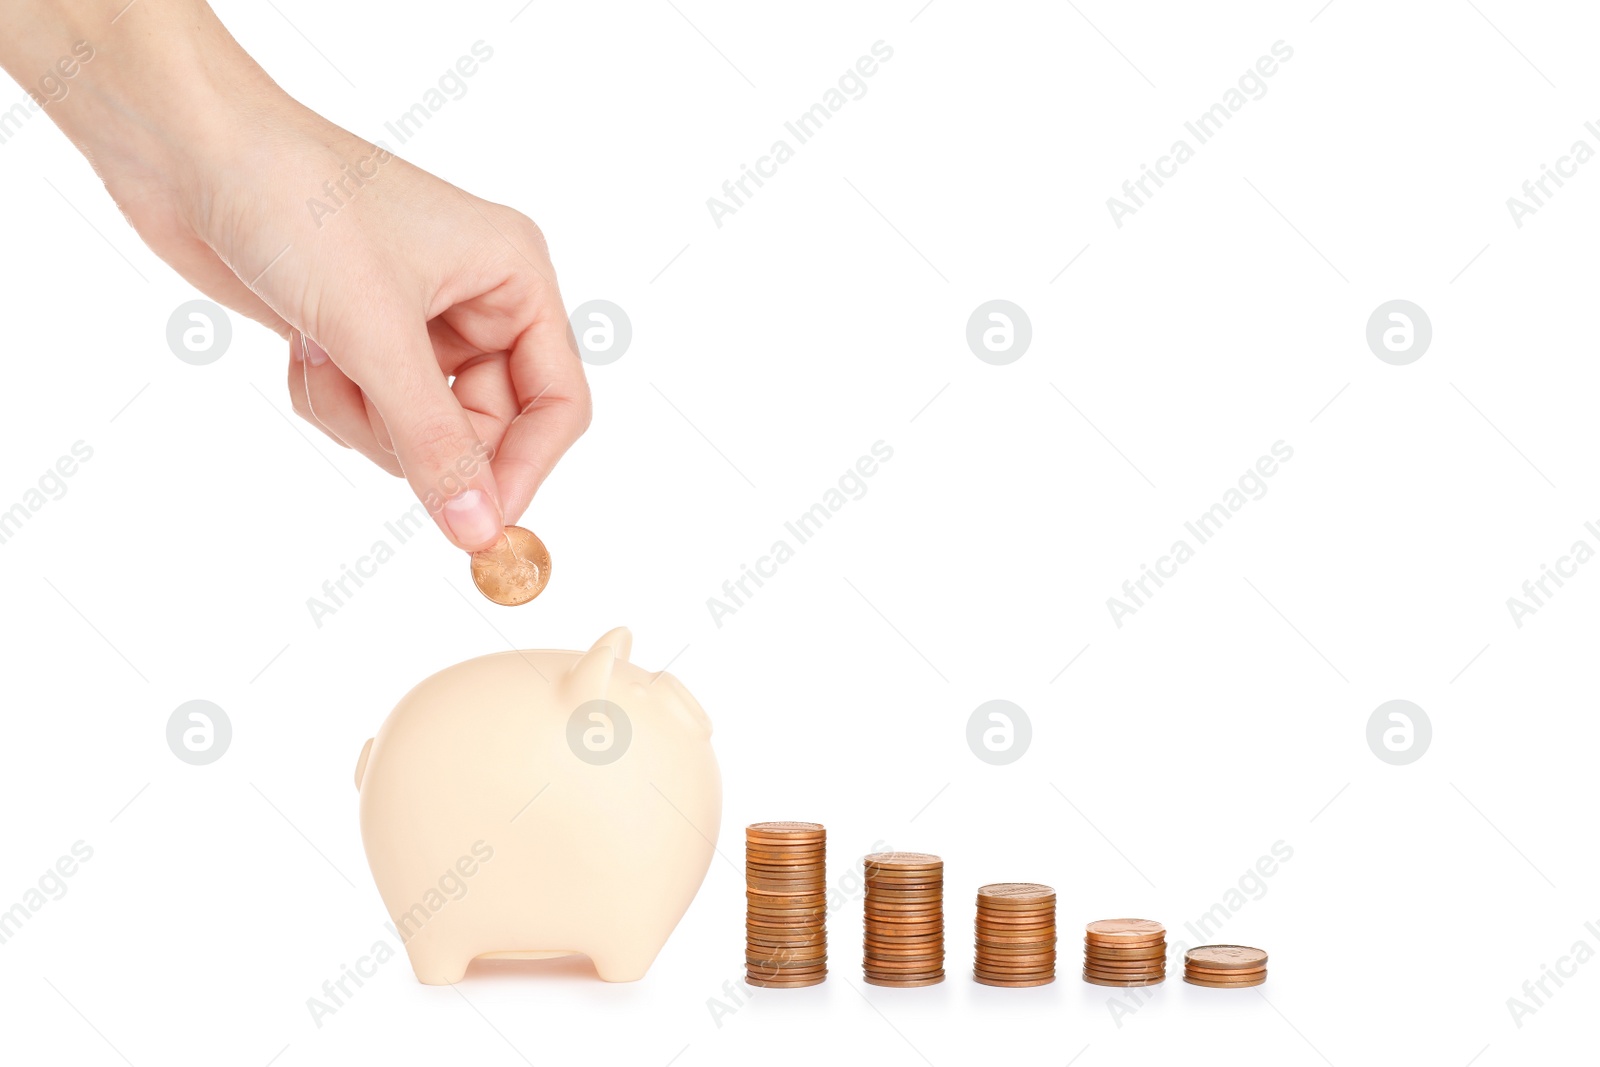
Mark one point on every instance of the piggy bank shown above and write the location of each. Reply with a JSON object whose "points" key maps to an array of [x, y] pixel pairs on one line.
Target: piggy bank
{"points": [[534, 804]]}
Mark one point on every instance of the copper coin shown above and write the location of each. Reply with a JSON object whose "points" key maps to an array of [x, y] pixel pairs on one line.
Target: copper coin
{"points": [[778, 859], [1124, 965], [787, 901], [513, 571], [1123, 931], [870, 980], [904, 907], [1014, 904], [984, 937], [1224, 976], [760, 960], [784, 827], [874, 956], [1098, 946], [789, 950], [803, 969], [786, 866], [1225, 985], [916, 929], [984, 963], [1018, 892], [1105, 952], [903, 861], [1221, 957], [769, 984], [983, 952], [1016, 948], [1140, 979], [1017, 918], [982, 980], [1016, 929], [1016, 915], [1106, 981], [904, 976], [903, 965], [1123, 968], [1015, 960], [900, 935]]}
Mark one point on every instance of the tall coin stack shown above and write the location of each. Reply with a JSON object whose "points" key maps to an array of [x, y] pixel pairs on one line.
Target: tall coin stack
{"points": [[1016, 935], [1124, 952], [1225, 966], [904, 911], [786, 936]]}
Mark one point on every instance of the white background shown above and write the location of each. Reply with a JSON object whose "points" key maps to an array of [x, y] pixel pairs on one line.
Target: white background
{"points": [[828, 314]]}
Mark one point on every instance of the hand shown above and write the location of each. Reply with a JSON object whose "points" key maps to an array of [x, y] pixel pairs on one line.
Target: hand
{"points": [[387, 281]]}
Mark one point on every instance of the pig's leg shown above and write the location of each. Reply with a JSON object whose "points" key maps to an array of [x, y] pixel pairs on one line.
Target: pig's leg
{"points": [[625, 962], [436, 958]]}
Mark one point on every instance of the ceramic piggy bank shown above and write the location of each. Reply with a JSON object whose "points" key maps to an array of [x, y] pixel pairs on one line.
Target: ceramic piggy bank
{"points": [[534, 804]]}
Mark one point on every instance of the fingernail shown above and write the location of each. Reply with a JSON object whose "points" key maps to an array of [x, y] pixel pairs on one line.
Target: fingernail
{"points": [[313, 351], [296, 347], [473, 520]]}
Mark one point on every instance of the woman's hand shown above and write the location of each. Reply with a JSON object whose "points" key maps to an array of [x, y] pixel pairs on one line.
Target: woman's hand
{"points": [[424, 325]]}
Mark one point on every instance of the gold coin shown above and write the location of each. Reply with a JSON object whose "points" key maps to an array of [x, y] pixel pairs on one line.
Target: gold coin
{"points": [[1226, 957], [515, 570]]}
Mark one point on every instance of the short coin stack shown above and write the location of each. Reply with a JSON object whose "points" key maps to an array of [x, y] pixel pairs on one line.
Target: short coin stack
{"points": [[904, 911], [1124, 952], [1225, 966], [1016, 935], [786, 936]]}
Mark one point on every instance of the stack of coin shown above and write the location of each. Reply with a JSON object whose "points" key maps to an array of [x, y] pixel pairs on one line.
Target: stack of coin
{"points": [[1225, 966], [1124, 952], [1016, 931], [904, 919], [786, 936]]}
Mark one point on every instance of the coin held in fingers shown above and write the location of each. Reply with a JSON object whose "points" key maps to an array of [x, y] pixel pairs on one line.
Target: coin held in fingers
{"points": [[515, 570]]}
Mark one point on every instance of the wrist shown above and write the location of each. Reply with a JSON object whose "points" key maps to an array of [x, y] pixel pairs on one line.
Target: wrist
{"points": [[155, 91]]}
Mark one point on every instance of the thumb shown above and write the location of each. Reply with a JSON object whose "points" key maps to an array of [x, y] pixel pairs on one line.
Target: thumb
{"points": [[444, 460]]}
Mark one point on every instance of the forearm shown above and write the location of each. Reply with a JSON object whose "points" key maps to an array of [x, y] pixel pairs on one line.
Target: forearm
{"points": [[134, 86]]}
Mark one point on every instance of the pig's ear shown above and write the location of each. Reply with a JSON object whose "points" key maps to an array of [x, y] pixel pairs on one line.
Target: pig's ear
{"points": [[590, 677], [619, 639]]}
